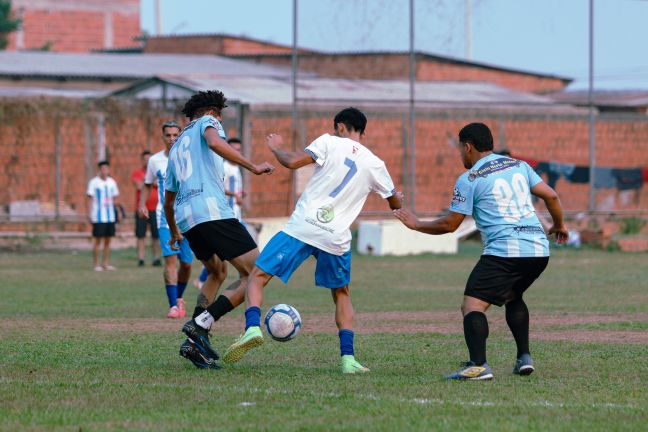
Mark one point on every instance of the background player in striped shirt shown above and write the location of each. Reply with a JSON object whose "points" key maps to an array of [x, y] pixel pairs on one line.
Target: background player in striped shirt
{"points": [[102, 193], [496, 190], [177, 263]]}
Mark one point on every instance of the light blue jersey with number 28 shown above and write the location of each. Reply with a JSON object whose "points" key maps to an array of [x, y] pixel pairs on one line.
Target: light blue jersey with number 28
{"points": [[497, 193], [196, 174]]}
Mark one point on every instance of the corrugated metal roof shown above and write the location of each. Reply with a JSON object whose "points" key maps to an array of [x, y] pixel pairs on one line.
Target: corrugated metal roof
{"points": [[52, 92], [127, 66], [275, 91], [610, 98]]}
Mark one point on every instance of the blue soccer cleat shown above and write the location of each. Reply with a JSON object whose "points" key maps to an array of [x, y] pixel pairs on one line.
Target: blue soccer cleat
{"points": [[524, 365], [470, 371]]}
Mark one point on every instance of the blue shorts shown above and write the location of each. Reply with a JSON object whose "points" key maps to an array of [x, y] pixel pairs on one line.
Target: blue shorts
{"points": [[284, 254], [186, 256]]}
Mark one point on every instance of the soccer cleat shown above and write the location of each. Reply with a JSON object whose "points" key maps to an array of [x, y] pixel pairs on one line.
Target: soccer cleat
{"points": [[470, 371], [174, 312], [181, 307], [156, 262], [110, 268], [524, 365], [140, 263], [190, 351], [98, 268], [200, 338], [351, 366], [248, 340]]}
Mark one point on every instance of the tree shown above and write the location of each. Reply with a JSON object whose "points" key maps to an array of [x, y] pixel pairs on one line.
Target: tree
{"points": [[7, 23]]}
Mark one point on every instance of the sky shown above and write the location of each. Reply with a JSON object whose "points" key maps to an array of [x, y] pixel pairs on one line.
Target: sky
{"points": [[544, 36]]}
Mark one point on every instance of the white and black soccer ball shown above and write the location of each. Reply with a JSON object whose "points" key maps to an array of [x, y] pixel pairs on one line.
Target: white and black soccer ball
{"points": [[282, 322]]}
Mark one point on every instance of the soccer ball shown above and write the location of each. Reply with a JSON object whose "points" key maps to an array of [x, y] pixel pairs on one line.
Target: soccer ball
{"points": [[282, 322]]}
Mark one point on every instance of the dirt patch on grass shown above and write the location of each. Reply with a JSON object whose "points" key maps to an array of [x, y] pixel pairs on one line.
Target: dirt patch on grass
{"points": [[444, 322]]}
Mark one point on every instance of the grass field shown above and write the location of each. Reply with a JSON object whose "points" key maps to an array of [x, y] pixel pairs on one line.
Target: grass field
{"points": [[87, 351]]}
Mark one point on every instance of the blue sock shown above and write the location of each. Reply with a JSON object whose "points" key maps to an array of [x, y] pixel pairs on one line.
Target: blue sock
{"points": [[172, 294], [181, 288], [252, 317], [203, 275], [346, 342]]}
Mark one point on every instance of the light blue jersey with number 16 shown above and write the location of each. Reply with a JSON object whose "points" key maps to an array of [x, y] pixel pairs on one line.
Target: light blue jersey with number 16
{"points": [[497, 193], [196, 174]]}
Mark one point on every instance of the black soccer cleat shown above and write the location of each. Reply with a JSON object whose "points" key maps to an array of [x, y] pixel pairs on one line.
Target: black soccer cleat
{"points": [[200, 338], [190, 351]]}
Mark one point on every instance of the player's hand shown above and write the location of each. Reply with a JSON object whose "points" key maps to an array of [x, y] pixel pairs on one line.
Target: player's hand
{"points": [[263, 168], [239, 198], [561, 233], [274, 141], [407, 217], [143, 212], [175, 240]]}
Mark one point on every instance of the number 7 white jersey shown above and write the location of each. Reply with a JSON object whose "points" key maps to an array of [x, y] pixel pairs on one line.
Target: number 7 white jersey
{"points": [[497, 193], [345, 174]]}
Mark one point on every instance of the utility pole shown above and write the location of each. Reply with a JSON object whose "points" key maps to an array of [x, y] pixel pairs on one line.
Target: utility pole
{"points": [[592, 120], [468, 29], [158, 18]]}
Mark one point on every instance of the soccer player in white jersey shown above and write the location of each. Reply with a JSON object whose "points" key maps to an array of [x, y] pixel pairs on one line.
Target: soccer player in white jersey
{"points": [[175, 277], [345, 173], [102, 193], [197, 210], [496, 190]]}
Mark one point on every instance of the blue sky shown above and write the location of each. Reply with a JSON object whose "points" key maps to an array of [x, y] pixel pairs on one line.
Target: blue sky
{"points": [[547, 36]]}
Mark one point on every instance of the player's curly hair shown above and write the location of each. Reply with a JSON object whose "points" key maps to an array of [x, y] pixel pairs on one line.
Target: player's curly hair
{"points": [[204, 101]]}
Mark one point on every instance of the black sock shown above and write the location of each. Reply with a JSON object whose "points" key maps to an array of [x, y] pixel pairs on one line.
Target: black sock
{"points": [[220, 307], [197, 311], [476, 333], [517, 318]]}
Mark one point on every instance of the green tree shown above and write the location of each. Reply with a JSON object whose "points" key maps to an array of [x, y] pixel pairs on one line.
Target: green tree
{"points": [[7, 23]]}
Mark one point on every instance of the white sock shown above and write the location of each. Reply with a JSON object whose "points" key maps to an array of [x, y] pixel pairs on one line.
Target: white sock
{"points": [[204, 320]]}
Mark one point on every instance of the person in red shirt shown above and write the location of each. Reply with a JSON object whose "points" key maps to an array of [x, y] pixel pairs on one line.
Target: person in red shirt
{"points": [[141, 223]]}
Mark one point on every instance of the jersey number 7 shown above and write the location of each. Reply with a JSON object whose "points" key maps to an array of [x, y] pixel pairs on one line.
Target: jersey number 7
{"points": [[349, 175]]}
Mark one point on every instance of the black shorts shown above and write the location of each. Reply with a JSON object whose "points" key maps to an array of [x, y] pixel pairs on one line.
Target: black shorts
{"points": [[141, 224], [103, 229], [226, 238], [499, 280]]}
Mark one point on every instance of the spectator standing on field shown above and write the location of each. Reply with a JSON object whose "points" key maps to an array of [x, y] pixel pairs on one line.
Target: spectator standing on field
{"points": [[102, 193], [141, 223]]}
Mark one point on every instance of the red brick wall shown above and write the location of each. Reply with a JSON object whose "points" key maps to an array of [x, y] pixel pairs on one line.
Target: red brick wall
{"points": [[396, 66], [27, 162], [75, 25]]}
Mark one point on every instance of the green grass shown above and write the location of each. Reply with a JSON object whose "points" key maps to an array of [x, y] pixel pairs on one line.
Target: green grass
{"points": [[55, 374]]}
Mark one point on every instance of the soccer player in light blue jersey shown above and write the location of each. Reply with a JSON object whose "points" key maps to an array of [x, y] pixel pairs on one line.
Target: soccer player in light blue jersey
{"points": [[197, 209], [496, 190]]}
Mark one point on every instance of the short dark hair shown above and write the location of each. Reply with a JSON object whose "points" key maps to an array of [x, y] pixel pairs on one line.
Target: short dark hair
{"points": [[102, 163], [203, 101], [352, 118], [145, 152], [169, 124], [478, 135], [234, 141]]}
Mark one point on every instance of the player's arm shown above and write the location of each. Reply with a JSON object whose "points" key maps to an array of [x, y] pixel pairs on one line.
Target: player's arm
{"points": [[552, 201], [447, 224], [89, 201], [289, 159], [169, 212], [144, 196], [220, 147], [395, 201]]}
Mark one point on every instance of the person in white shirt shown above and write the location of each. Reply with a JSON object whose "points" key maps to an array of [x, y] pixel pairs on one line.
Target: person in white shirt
{"points": [[102, 193], [345, 173], [234, 182]]}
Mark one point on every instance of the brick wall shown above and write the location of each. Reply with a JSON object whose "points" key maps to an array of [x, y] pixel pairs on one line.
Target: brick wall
{"points": [[396, 66], [28, 128], [75, 25], [211, 44]]}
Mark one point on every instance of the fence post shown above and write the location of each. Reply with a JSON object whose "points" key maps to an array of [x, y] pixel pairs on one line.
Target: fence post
{"points": [[57, 167]]}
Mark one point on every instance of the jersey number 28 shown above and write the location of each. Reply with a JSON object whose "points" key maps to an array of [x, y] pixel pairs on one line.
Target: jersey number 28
{"points": [[513, 199]]}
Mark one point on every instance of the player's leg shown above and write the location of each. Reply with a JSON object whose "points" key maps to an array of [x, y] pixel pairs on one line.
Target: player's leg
{"points": [[517, 313], [170, 272], [184, 274], [202, 278], [96, 243], [106, 254], [155, 240], [280, 257], [140, 235]]}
